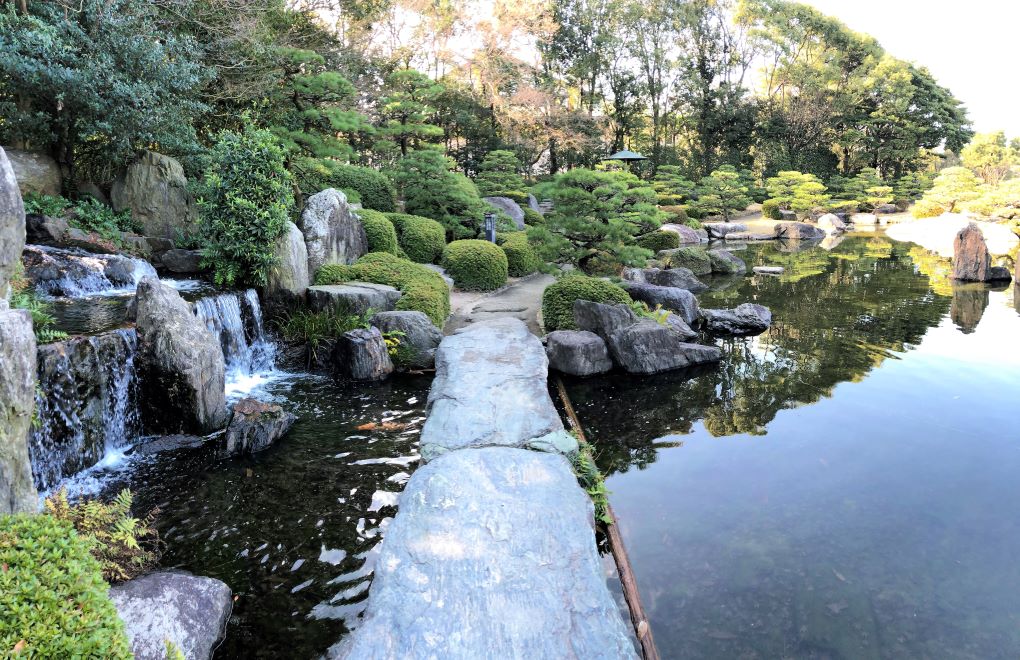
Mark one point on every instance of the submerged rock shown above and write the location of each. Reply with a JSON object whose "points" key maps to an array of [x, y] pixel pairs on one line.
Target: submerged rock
{"points": [[352, 297], [749, 236], [577, 352], [418, 335], [723, 262], [362, 355], [17, 393], [255, 425], [971, 260], [333, 233], [289, 278], [745, 319], [12, 224], [674, 299], [173, 606], [798, 231], [155, 191], [508, 206]]}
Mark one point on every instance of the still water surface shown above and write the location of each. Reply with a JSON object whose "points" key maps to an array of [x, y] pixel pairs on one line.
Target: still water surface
{"points": [[846, 485]]}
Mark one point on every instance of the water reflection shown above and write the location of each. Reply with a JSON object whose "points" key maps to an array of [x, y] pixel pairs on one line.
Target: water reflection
{"points": [[969, 302]]}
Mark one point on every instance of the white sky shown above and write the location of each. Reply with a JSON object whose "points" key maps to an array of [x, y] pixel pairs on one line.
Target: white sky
{"points": [[970, 47]]}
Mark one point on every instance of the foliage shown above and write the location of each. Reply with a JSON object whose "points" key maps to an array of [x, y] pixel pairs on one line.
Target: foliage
{"points": [[382, 237], [867, 189], [52, 594], [999, 201], [423, 289], [521, 257], [246, 199], [912, 185], [671, 188], [408, 100], [475, 264], [370, 187], [49, 205], [124, 546], [596, 214], [694, 258], [533, 217], [990, 157], [591, 480], [770, 209], [675, 214], [721, 192], [431, 190], [22, 296], [659, 240], [952, 187], [797, 191], [558, 299], [422, 239], [498, 176], [93, 216], [315, 328]]}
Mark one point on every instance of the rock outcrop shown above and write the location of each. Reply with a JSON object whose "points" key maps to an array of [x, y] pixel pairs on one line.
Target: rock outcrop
{"points": [[681, 278], [180, 364], [692, 258], [743, 320], [12, 223], [577, 352], [254, 426], [721, 229], [508, 206], [35, 172], [725, 263], [362, 355], [17, 401], [798, 231], [289, 277], [182, 262], [333, 233], [352, 297], [155, 191], [831, 223], [418, 335], [971, 260], [674, 299], [172, 606]]}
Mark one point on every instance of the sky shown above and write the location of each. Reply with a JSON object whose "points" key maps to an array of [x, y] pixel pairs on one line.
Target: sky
{"points": [[970, 47]]}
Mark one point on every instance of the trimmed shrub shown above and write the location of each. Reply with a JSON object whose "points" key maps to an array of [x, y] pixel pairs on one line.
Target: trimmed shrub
{"points": [[533, 217], [659, 240], [475, 264], [422, 239], [770, 209], [52, 594], [423, 289], [693, 258], [693, 213], [369, 187], [677, 214], [927, 209], [382, 237], [558, 299], [521, 258]]}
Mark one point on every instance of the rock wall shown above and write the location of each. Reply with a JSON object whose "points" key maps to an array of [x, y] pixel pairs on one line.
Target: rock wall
{"points": [[492, 552], [17, 400]]}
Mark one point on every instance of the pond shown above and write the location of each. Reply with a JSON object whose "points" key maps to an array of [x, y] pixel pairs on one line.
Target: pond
{"points": [[843, 486]]}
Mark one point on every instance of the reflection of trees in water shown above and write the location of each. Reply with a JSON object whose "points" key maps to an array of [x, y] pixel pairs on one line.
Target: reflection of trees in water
{"points": [[856, 306]]}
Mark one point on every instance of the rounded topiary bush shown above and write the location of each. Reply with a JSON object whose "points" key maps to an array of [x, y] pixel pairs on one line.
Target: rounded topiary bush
{"points": [[475, 264], [675, 213], [422, 239], [659, 240], [533, 217], [558, 299], [521, 257], [770, 209], [927, 209], [382, 237]]}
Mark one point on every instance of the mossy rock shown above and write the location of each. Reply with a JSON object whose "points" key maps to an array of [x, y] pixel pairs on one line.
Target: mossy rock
{"points": [[382, 236], [422, 239], [659, 240], [476, 265], [521, 257], [558, 299], [693, 258]]}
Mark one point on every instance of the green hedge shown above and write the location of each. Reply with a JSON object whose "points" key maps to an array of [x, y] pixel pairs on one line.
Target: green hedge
{"points": [[372, 188], [521, 258], [558, 299], [382, 236], [422, 239], [533, 217], [52, 594], [659, 240], [423, 289], [770, 209], [476, 264]]}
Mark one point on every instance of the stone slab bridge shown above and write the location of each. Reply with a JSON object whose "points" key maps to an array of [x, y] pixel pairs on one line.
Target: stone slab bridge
{"points": [[492, 552]]}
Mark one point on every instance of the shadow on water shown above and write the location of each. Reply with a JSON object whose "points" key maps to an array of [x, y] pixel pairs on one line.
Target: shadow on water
{"points": [[843, 486]]}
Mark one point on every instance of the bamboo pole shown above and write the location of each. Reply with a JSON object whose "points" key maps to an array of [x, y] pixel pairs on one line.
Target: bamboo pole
{"points": [[642, 629]]}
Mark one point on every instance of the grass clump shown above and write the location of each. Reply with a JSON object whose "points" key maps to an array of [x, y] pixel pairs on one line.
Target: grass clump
{"points": [[313, 328], [422, 239], [382, 236], [476, 264], [558, 299], [590, 478], [521, 257], [23, 297]]}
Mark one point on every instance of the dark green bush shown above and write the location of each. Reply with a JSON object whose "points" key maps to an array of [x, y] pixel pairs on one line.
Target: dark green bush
{"points": [[693, 213], [659, 240], [476, 264], [422, 239], [558, 299], [370, 187], [382, 236], [423, 289], [533, 217], [53, 598], [770, 209], [49, 205], [675, 214], [431, 189], [521, 258]]}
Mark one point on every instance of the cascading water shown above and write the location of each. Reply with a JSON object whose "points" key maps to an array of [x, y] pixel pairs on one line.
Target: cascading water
{"points": [[236, 318], [76, 273], [86, 405]]}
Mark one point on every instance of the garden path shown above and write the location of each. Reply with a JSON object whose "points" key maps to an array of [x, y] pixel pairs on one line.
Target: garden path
{"points": [[520, 299]]}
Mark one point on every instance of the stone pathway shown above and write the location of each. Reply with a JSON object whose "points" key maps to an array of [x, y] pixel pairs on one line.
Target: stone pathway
{"points": [[521, 299]]}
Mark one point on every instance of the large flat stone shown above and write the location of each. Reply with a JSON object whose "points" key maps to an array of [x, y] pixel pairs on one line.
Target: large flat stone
{"points": [[352, 297], [492, 555]]}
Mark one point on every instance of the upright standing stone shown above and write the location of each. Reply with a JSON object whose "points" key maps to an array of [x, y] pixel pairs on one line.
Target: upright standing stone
{"points": [[12, 223], [362, 355], [289, 278], [971, 261], [17, 400], [508, 206], [155, 191], [35, 172], [333, 232]]}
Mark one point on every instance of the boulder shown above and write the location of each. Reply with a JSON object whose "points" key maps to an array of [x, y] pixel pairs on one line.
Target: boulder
{"points": [[787, 215], [692, 258], [173, 606], [90, 189], [35, 172], [289, 277], [745, 319], [352, 297], [798, 231], [721, 229], [508, 206], [768, 270], [687, 234], [577, 352], [17, 394], [603, 320], [182, 262], [254, 426], [831, 223], [333, 232], [939, 234], [680, 327], [418, 334], [672, 298], [124, 270], [180, 363], [886, 209], [44, 230], [362, 355], [533, 204], [999, 274], [971, 259], [749, 236], [676, 277], [155, 191], [865, 219], [12, 224], [647, 347], [723, 262]]}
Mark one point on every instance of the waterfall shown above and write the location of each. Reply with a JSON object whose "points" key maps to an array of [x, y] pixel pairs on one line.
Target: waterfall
{"points": [[76, 273], [236, 318], [86, 404]]}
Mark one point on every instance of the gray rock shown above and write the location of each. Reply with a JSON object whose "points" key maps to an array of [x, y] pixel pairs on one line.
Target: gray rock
{"points": [[577, 352], [44, 230], [749, 236], [12, 223], [180, 363], [508, 206], [182, 262], [420, 335], [557, 442], [724, 262], [491, 555], [831, 223], [971, 259], [254, 426], [680, 328], [787, 215], [885, 209], [675, 299], [168, 443], [688, 235], [745, 319], [35, 172], [155, 191], [187, 610], [17, 394], [333, 232], [603, 320], [999, 274], [362, 355], [722, 229], [289, 278], [768, 270], [864, 219], [490, 389], [694, 259], [798, 231], [90, 189], [647, 347], [678, 277], [533, 204], [352, 297], [122, 270]]}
